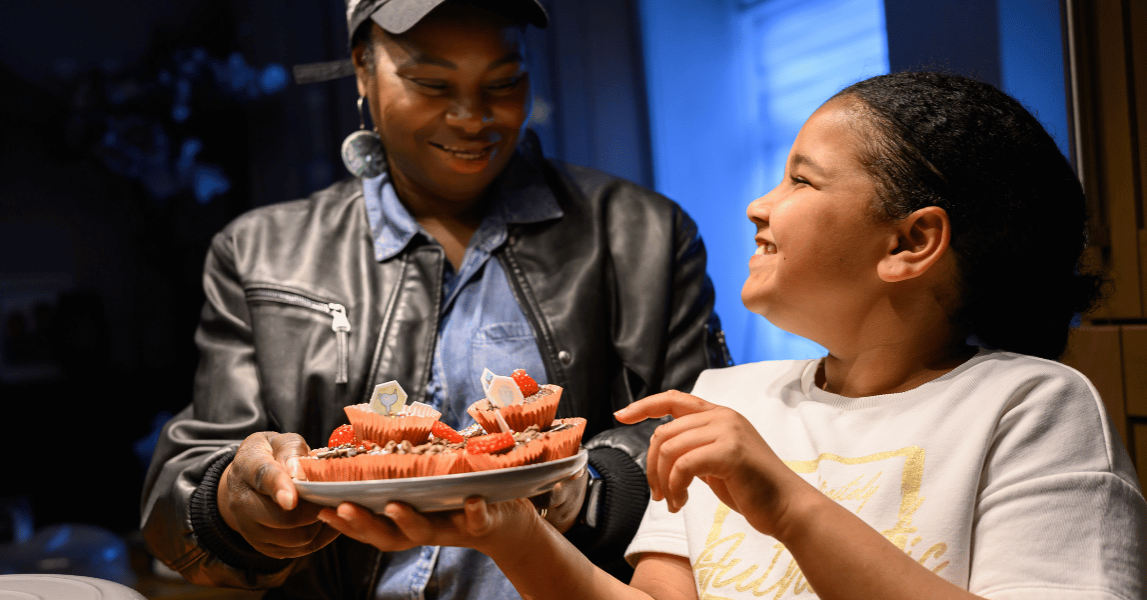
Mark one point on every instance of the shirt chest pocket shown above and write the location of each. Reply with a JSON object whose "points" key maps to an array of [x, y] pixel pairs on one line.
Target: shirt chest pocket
{"points": [[503, 347]]}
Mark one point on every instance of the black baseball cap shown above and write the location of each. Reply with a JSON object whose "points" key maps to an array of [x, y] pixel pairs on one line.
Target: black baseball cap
{"points": [[398, 16]]}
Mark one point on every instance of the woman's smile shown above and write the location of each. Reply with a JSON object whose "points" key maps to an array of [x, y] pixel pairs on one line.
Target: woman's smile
{"points": [[451, 97], [469, 158]]}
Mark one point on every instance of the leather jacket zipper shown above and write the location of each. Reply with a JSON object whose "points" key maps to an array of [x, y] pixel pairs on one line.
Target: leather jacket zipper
{"points": [[340, 324]]}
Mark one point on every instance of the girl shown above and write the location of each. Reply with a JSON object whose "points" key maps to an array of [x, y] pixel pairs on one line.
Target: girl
{"points": [[928, 233]]}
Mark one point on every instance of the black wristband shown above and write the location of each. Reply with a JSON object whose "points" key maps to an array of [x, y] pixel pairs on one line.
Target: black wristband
{"points": [[622, 501], [213, 533]]}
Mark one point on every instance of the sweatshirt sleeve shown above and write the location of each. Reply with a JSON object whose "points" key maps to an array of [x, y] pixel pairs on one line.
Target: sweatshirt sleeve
{"points": [[1059, 512]]}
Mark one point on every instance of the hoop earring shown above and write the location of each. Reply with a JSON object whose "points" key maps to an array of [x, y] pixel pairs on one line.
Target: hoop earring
{"points": [[362, 150]]}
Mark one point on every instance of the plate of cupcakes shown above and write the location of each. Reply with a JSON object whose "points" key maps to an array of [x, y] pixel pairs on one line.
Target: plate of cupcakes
{"points": [[395, 451]]}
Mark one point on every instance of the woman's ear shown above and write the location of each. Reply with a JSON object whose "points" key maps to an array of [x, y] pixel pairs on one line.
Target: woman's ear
{"points": [[362, 72], [921, 239]]}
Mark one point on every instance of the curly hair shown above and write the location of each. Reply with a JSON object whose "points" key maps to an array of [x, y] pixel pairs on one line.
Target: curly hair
{"points": [[1017, 209]]}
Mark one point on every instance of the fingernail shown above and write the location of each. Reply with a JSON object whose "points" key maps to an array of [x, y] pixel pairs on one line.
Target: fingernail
{"points": [[285, 499]]}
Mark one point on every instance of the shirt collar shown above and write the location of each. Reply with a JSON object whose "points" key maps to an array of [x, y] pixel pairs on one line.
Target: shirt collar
{"points": [[521, 196]]}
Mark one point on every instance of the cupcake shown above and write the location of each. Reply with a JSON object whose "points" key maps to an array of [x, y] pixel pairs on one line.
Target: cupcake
{"points": [[563, 439], [368, 461], [387, 417], [501, 450], [518, 400], [446, 452], [529, 446]]}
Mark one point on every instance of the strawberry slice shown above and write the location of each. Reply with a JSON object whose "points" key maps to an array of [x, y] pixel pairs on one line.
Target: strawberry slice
{"points": [[343, 434], [446, 432], [526, 383], [485, 444]]}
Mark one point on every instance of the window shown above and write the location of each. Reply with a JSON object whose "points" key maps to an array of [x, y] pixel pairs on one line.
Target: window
{"points": [[730, 83], [799, 53]]}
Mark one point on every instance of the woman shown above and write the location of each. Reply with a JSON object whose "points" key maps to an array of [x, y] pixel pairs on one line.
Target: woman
{"points": [[470, 250]]}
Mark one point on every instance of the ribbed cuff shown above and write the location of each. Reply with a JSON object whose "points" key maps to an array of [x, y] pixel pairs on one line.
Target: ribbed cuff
{"points": [[213, 533], [624, 496]]}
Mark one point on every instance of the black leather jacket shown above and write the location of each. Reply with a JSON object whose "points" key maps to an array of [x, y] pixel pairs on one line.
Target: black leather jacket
{"points": [[616, 292]]}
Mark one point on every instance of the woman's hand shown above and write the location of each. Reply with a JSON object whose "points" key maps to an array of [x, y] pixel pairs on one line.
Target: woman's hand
{"points": [[257, 498], [488, 528], [720, 447]]}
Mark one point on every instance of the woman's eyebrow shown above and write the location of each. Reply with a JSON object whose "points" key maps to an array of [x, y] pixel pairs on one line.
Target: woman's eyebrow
{"points": [[420, 58], [510, 58]]}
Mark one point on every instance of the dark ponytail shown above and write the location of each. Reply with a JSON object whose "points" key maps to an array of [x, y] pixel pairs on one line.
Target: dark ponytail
{"points": [[1017, 209]]}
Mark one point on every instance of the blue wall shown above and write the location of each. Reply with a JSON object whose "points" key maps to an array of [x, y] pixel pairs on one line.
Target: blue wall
{"points": [[701, 150], [1031, 61]]}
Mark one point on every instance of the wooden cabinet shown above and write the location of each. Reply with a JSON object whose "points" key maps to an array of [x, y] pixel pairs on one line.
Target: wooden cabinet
{"points": [[1114, 358], [1107, 69]]}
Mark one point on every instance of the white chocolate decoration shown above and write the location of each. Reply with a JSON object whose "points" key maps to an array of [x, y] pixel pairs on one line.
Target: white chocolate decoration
{"points": [[487, 377], [502, 423], [504, 391], [388, 398]]}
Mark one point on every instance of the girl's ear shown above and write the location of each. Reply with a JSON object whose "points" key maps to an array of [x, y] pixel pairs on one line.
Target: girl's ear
{"points": [[921, 239]]}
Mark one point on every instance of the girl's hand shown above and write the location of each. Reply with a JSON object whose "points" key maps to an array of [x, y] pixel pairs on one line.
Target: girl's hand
{"points": [[488, 528], [720, 447]]}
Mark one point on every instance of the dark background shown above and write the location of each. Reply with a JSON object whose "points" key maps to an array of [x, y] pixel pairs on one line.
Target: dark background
{"points": [[132, 131]]}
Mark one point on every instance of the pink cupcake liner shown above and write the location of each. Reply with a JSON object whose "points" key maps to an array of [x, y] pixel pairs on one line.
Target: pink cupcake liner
{"points": [[518, 416]]}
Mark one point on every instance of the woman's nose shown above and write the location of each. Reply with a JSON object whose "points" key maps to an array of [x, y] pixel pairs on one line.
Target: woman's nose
{"points": [[470, 114]]}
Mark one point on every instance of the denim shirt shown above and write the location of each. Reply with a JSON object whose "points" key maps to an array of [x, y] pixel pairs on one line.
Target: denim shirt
{"points": [[481, 325]]}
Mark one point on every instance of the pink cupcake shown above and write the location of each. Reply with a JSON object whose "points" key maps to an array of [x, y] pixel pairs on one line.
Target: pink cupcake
{"points": [[532, 405], [412, 424], [370, 461], [387, 417]]}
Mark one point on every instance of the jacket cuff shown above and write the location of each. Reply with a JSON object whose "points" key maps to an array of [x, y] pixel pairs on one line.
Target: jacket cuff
{"points": [[213, 533], [624, 497]]}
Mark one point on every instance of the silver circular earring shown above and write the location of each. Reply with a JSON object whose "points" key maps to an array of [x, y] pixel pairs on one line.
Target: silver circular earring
{"points": [[362, 150]]}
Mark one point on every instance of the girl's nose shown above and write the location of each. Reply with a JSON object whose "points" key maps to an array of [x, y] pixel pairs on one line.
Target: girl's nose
{"points": [[758, 210]]}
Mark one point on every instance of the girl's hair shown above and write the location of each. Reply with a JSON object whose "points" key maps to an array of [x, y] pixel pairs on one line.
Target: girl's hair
{"points": [[1018, 212]]}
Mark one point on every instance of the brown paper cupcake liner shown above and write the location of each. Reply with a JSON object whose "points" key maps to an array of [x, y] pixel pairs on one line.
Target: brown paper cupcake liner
{"points": [[518, 416]]}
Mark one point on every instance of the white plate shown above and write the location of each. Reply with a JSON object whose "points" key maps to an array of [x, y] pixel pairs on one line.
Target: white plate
{"points": [[445, 492], [50, 586]]}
